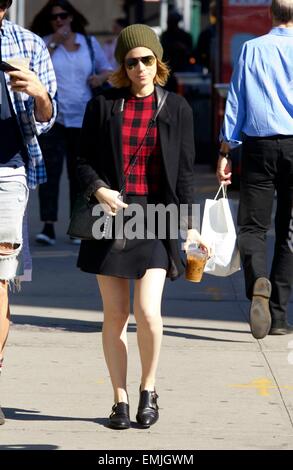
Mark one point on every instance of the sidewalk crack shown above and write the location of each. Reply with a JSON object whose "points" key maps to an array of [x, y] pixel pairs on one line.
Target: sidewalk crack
{"points": [[277, 385]]}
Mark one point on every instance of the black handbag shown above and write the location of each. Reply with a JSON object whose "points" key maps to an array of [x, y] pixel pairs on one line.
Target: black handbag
{"points": [[82, 218], [95, 91]]}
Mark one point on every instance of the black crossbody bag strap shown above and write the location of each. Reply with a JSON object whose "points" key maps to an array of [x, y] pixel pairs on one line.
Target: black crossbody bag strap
{"points": [[91, 52], [161, 101], [133, 160]]}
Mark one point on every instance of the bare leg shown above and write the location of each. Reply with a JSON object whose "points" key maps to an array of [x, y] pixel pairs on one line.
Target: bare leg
{"points": [[116, 303], [5, 249], [147, 311], [4, 316]]}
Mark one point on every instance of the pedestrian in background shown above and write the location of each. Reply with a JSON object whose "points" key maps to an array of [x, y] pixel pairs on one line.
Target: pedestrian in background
{"points": [[80, 66], [110, 45], [259, 113], [27, 108], [205, 51], [114, 128], [177, 46]]}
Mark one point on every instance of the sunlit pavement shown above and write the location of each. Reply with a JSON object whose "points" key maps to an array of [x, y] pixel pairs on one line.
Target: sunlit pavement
{"points": [[219, 388]]}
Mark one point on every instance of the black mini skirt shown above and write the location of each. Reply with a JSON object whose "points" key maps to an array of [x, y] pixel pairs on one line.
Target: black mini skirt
{"points": [[130, 262]]}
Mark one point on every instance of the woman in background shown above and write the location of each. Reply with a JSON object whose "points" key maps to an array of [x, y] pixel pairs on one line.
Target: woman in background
{"points": [[81, 67]]}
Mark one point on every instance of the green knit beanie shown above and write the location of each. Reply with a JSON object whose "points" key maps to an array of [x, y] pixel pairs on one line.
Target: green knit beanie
{"points": [[137, 35]]}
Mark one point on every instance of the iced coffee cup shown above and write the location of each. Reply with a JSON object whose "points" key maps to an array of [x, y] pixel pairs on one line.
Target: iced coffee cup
{"points": [[196, 261]]}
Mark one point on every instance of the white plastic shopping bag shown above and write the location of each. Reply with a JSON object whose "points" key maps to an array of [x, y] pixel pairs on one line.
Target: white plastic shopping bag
{"points": [[219, 231]]}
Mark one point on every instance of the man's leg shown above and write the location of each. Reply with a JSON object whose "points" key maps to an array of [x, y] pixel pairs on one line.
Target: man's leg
{"points": [[4, 328], [282, 266], [6, 250], [13, 201], [255, 208], [4, 315], [257, 187]]}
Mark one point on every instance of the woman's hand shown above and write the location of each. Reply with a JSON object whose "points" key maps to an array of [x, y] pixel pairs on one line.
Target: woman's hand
{"points": [[110, 200], [61, 35], [95, 81], [193, 236]]}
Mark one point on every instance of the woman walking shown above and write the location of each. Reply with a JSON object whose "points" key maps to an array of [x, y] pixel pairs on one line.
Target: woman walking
{"points": [[114, 129], [81, 67]]}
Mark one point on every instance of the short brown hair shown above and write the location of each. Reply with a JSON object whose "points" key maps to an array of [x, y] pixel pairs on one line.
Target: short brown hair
{"points": [[119, 78], [282, 10]]}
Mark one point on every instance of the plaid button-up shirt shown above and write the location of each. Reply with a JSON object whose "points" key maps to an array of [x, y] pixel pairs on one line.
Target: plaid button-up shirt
{"points": [[19, 42], [145, 176]]}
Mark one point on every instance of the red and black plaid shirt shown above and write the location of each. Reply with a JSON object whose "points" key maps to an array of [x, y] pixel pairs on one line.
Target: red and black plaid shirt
{"points": [[145, 175]]}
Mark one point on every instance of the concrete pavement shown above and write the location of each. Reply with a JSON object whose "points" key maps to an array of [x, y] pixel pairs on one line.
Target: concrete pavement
{"points": [[219, 388]]}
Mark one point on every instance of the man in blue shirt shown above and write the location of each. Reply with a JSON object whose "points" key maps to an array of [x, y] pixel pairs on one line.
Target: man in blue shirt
{"points": [[27, 108], [259, 115]]}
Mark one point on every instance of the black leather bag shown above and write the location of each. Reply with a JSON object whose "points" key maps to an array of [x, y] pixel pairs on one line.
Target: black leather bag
{"points": [[81, 222], [82, 218]]}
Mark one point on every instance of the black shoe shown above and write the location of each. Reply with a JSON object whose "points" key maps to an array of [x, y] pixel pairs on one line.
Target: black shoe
{"points": [[281, 328], [260, 317], [119, 418], [2, 417], [47, 236], [148, 410]]}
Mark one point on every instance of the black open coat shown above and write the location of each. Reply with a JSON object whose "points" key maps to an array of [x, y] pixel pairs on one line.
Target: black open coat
{"points": [[101, 161]]}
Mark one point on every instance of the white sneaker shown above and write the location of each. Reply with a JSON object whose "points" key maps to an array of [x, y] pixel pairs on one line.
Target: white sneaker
{"points": [[43, 239], [75, 241], [47, 235]]}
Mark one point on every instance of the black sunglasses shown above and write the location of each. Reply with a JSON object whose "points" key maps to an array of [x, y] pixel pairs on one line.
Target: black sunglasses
{"points": [[62, 16], [132, 62]]}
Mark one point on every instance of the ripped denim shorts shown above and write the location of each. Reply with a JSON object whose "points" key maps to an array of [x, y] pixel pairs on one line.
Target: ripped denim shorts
{"points": [[13, 202]]}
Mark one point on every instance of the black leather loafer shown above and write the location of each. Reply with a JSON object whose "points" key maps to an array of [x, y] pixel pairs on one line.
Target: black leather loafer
{"points": [[282, 328], [119, 418], [260, 317], [148, 410]]}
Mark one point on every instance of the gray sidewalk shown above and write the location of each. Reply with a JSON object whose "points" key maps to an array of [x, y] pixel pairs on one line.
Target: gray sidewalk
{"points": [[219, 388]]}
